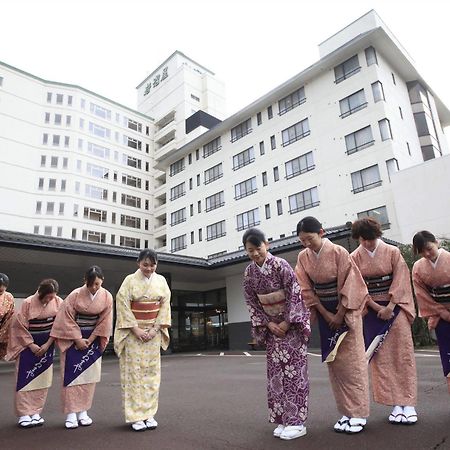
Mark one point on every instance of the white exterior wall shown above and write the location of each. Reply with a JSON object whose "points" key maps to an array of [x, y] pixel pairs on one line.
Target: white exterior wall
{"points": [[236, 306], [23, 109]]}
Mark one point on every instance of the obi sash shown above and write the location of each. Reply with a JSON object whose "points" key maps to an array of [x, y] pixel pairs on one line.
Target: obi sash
{"points": [[273, 303], [443, 339], [328, 295], [330, 340], [375, 330], [440, 294], [36, 372], [146, 309], [83, 366], [379, 285]]}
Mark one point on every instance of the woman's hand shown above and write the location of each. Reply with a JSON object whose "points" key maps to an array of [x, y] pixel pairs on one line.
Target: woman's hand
{"points": [[385, 313], [43, 349], [284, 326], [276, 329], [335, 321], [34, 348], [141, 334], [81, 344], [433, 322]]}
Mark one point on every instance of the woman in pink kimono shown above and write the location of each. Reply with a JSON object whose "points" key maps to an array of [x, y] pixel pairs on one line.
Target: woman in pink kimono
{"points": [[334, 290], [32, 347], [82, 330], [280, 321], [387, 322], [6, 313], [431, 280]]}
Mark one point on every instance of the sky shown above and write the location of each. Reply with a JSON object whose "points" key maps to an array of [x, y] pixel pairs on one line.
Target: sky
{"points": [[110, 46]]}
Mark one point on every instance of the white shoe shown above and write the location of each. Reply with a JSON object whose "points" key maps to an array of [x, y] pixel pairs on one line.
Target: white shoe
{"points": [[409, 415], [355, 425], [396, 415], [25, 422], [139, 426], [71, 421], [278, 430], [293, 432], [341, 424], [151, 423], [37, 420], [83, 419]]}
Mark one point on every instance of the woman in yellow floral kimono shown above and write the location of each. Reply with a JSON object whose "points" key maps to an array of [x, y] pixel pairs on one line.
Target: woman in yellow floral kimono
{"points": [[143, 320]]}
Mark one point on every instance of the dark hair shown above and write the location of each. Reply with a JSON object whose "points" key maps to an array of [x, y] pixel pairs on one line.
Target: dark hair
{"points": [[147, 253], [91, 274], [367, 228], [48, 286], [309, 225], [420, 239], [4, 279], [254, 236]]}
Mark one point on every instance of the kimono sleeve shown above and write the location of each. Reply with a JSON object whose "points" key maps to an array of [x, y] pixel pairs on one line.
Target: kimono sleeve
{"points": [[296, 312], [400, 292], [4, 329], [164, 319], [258, 318], [19, 337], [125, 317], [308, 295], [104, 323], [352, 288]]}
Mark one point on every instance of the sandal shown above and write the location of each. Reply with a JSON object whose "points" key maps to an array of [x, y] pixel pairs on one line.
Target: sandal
{"points": [[25, 422], [396, 415], [409, 415], [37, 420], [139, 426], [355, 425], [71, 421], [341, 424]]}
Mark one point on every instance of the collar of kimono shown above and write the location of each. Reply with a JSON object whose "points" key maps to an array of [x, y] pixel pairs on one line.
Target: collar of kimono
{"points": [[143, 277], [36, 306]]}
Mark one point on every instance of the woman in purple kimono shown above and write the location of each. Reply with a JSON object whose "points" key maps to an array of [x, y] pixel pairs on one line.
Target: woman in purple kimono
{"points": [[280, 321]]}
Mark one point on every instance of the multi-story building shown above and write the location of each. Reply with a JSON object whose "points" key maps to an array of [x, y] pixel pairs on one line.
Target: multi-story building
{"points": [[325, 143]]}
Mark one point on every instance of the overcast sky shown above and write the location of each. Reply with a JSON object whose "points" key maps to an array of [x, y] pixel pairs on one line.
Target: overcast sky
{"points": [[110, 46]]}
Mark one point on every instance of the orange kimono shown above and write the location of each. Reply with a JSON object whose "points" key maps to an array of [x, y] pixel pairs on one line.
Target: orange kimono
{"points": [[348, 371], [393, 367], [32, 322], [6, 313], [80, 316]]}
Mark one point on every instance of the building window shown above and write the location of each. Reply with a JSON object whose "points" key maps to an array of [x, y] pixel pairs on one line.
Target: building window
{"points": [[400, 112], [68, 121], [200, 235], [177, 191], [47, 117], [366, 179], [126, 241], [61, 209], [269, 112], [214, 201], [69, 100], [393, 78], [51, 184], [59, 99], [41, 184], [100, 111], [56, 139], [392, 167], [192, 237], [264, 178], [197, 154], [97, 171], [273, 143], [422, 119], [295, 132], [267, 210], [244, 158], [191, 209], [291, 101], [214, 173], [133, 125], [303, 200], [408, 148], [45, 138], [49, 97], [194, 97], [99, 131], [198, 179], [359, 140], [210, 148], [261, 148], [276, 174], [385, 129], [36, 229], [178, 217], [380, 214], [81, 123], [371, 56], [58, 119], [132, 143], [66, 141], [93, 236], [259, 118], [96, 192], [59, 232], [130, 221], [50, 208], [247, 219], [74, 233], [215, 231], [130, 200], [98, 151], [38, 207], [299, 165], [279, 207], [63, 185], [246, 188], [94, 214], [377, 91], [352, 103], [191, 184], [199, 206], [132, 162], [346, 69], [177, 167], [178, 243], [129, 180], [241, 130], [47, 231], [429, 152]]}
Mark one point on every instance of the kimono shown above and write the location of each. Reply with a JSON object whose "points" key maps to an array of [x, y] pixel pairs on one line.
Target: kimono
{"points": [[332, 278], [143, 302], [272, 294], [432, 287], [34, 375], [80, 316], [6, 313], [393, 366]]}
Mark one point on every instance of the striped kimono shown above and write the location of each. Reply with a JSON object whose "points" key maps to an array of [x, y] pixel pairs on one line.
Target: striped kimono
{"points": [[142, 302], [81, 316], [34, 375]]}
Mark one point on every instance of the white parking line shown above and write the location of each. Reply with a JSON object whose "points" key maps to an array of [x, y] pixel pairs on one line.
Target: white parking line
{"points": [[222, 353], [247, 354]]}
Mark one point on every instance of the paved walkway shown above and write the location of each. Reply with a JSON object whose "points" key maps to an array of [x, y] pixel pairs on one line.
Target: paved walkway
{"points": [[218, 401]]}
